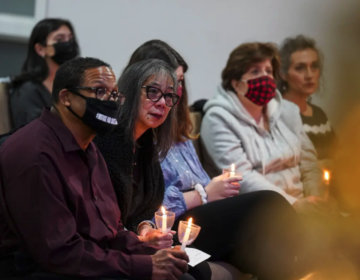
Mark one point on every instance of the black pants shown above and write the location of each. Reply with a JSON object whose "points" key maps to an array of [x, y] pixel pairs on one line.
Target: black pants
{"points": [[259, 233]]}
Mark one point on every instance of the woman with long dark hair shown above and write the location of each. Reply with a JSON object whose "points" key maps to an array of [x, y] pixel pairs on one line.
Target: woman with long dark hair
{"points": [[144, 135], [52, 42], [242, 230]]}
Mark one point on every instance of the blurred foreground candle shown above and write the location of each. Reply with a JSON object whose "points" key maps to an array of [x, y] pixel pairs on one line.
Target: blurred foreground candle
{"points": [[186, 236], [232, 170], [327, 183], [164, 218], [327, 177]]}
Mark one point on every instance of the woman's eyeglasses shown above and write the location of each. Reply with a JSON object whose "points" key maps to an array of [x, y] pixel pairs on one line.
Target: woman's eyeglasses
{"points": [[155, 94], [104, 94]]}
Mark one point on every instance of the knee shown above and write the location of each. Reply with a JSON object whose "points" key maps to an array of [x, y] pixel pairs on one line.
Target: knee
{"points": [[269, 197]]}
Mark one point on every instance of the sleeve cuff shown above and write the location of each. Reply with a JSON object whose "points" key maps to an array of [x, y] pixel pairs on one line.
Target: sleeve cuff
{"points": [[141, 267], [291, 199]]}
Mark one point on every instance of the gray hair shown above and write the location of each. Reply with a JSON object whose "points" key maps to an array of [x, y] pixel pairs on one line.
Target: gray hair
{"points": [[288, 47], [130, 84]]}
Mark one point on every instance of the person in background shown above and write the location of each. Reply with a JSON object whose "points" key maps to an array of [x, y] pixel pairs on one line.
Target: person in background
{"points": [[51, 43], [67, 217], [301, 69], [215, 204]]}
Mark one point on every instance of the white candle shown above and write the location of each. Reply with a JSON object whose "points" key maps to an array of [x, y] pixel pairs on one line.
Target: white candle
{"points": [[186, 236], [232, 170], [164, 218]]}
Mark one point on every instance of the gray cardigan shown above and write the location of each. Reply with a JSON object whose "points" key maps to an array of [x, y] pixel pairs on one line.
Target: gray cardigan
{"points": [[283, 160]]}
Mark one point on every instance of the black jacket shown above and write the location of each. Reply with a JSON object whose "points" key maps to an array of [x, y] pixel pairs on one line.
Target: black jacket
{"points": [[27, 102], [119, 155]]}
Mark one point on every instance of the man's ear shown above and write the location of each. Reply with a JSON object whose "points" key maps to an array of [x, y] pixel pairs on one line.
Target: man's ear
{"points": [[64, 97]]}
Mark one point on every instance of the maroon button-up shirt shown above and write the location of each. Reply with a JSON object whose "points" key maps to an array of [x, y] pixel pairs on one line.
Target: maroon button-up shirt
{"points": [[64, 207]]}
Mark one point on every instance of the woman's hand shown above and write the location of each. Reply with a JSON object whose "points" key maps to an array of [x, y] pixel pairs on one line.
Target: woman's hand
{"points": [[316, 206], [220, 188], [156, 238]]}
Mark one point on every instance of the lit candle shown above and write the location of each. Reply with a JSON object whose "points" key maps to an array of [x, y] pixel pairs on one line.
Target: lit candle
{"points": [[164, 218], [327, 177], [232, 170], [327, 183], [186, 236]]}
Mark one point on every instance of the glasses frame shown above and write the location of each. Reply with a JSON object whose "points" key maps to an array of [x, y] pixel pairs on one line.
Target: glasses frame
{"points": [[118, 96], [162, 95]]}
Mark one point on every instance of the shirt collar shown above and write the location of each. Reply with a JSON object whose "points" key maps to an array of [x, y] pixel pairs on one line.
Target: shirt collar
{"points": [[65, 136]]}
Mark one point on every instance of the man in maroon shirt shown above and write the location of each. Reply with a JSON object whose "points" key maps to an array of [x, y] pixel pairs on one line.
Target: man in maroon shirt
{"points": [[57, 195]]}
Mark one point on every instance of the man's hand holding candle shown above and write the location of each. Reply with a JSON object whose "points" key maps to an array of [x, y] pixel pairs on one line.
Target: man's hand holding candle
{"points": [[169, 264], [156, 238]]}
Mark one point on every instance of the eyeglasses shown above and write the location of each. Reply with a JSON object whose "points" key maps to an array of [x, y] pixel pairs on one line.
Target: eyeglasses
{"points": [[155, 94], [103, 94]]}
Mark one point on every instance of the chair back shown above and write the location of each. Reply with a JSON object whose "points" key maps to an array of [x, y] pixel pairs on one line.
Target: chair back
{"points": [[196, 119], [5, 118]]}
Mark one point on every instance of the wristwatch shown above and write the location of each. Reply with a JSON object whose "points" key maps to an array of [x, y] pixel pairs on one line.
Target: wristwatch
{"points": [[201, 190]]}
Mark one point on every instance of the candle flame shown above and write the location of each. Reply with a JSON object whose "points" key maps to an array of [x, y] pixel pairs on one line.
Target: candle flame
{"points": [[163, 210], [326, 175], [232, 167], [189, 223]]}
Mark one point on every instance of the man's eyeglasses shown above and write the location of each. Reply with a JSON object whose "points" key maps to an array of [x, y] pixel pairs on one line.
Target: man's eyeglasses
{"points": [[103, 94], [155, 94]]}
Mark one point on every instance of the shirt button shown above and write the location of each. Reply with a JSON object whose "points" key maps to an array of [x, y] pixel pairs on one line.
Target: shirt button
{"points": [[95, 198]]}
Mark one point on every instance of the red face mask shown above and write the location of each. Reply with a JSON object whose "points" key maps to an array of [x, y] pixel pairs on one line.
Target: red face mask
{"points": [[261, 90]]}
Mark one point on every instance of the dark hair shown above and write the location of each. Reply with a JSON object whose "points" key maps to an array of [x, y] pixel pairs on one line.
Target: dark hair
{"points": [[244, 56], [130, 84], [71, 73], [291, 45], [35, 67], [160, 50]]}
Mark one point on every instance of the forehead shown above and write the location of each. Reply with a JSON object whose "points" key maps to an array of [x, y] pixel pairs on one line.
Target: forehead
{"points": [[163, 79], [304, 56], [265, 63], [62, 30], [100, 74], [179, 71]]}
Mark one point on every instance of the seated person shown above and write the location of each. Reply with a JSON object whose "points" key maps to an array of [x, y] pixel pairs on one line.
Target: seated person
{"points": [[52, 42], [129, 151], [249, 252], [59, 196], [249, 124], [132, 155], [301, 69]]}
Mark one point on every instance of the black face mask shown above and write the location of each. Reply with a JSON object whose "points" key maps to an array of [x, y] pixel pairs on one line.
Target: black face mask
{"points": [[99, 115], [65, 51]]}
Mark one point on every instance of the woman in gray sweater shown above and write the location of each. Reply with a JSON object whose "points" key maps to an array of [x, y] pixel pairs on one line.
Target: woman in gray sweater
{"points": [[249, 124]]}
